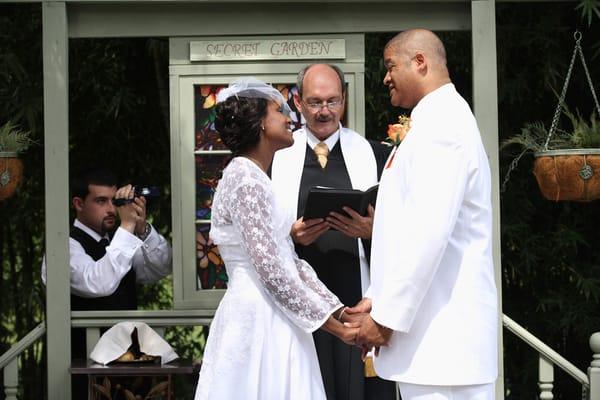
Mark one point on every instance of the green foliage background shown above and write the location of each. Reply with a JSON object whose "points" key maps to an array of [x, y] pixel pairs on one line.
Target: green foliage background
{"points": [[119, 117]]}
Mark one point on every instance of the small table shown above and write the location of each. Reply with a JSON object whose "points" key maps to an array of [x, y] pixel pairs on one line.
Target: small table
{"points": [[104, 375]]}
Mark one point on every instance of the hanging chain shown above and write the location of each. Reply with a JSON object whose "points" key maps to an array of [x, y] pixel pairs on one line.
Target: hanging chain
{"points": [[511, 168], [561, 100], [577, 50], [584, 395]]}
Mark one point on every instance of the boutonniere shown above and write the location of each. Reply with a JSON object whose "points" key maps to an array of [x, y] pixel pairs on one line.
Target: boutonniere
{"points": [[397, 132]]}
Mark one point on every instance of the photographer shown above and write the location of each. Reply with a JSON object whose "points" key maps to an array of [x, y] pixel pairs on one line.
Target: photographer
{"points": [[108, 260]]}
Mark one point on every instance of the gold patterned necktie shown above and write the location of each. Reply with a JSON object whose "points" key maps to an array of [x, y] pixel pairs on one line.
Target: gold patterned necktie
{"points": [[322, 151]]}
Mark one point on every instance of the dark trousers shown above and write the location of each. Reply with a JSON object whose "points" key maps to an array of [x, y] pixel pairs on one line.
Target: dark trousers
{"points": [[343, 372]]}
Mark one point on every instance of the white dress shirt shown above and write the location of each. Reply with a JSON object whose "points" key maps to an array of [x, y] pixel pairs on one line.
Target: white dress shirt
{"points": [[432, 277], [312, 140], [151, 260]]}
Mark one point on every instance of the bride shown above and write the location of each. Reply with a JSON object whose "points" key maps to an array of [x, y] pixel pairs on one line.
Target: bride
{"points": [[260, 344]]}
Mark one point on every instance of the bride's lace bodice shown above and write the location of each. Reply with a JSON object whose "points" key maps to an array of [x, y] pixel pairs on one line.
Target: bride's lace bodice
{"points": [[244, 213]]}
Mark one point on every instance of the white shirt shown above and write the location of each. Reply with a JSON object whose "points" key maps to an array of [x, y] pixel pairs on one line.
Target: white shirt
{"points": [[432, 276], [151, 260], [312, 140]]}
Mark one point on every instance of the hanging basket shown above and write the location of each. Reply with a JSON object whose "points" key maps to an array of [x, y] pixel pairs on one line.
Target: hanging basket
{"points": [[565, 174], [11, 173], [570, 174]]}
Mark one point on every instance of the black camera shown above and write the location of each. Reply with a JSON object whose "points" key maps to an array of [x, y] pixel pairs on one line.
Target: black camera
{"points": [[149, 192]]}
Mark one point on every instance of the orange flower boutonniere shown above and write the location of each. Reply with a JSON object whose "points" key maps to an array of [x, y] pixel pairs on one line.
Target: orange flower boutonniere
{"points": [[397, 132]]}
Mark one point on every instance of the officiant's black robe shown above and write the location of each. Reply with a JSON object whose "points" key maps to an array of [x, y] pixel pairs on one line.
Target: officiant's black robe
{"points": [[334, 257]]}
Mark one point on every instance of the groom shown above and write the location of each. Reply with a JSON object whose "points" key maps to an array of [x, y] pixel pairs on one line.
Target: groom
{"points": [[432, 299]]}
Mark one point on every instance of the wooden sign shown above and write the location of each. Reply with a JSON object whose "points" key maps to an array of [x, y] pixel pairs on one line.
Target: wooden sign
{"points": [[280, 49]]}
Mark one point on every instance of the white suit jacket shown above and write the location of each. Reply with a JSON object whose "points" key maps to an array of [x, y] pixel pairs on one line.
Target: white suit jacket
{"points": [[432, 277]]}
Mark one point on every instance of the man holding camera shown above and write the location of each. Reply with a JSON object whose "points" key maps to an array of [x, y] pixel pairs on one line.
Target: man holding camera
{"points": [[107, 261]]}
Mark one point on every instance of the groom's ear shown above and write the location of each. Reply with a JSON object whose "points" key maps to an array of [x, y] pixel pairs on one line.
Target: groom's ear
{"points": [[420, 62], [419, 58]]}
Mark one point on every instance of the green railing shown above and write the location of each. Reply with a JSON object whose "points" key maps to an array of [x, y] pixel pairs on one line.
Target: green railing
{"points": [[92, 321], [9, 361], [548, 358]]}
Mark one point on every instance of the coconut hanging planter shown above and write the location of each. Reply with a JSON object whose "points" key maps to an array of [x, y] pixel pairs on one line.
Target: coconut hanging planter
{"points": [[11, 173], [569, 175], [12, 142], [567, 163]]}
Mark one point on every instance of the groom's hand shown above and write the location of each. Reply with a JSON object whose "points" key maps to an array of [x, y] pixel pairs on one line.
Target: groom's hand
{"points": [[363, 306], [355, 318], [371, 334], [306, 232]]}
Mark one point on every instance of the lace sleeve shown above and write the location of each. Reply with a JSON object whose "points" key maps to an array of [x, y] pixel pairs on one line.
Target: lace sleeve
{"points": [[307, 303], [309, 276]]}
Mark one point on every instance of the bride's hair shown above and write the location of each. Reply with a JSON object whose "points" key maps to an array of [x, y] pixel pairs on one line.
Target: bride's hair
{"points": [[239, 121]]}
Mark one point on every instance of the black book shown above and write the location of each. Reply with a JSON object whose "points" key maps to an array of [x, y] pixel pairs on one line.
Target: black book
{"points": [[322, 200]]}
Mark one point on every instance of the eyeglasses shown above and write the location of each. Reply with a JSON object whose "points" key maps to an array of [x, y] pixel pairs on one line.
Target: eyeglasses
{"points": [[316, 106]]}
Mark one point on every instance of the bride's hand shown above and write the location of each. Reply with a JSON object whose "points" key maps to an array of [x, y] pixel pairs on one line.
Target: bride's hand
{"points": [[346, 332], [349, 332]]}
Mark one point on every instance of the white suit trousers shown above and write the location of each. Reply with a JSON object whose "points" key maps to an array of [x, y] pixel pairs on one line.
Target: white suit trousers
{"points": [[427, 392]]}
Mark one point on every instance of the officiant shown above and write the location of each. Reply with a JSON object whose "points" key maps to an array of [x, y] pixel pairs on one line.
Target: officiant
{"points": [[325, 153]]}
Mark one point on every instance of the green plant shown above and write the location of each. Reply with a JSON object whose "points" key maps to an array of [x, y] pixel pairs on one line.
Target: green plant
{"points": [[12, 139], [584, 133]]}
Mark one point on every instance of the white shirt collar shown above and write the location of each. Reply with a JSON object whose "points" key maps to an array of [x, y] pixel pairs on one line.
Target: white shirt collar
{"points": [[312, 140], [441, 92], [89, 231]]}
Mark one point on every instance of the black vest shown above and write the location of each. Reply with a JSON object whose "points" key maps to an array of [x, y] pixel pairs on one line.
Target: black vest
{"points": [[124, 298], [333, 256]]}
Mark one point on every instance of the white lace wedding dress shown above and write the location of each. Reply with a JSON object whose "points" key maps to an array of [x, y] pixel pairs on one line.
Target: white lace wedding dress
{"points": [[260, 344]]}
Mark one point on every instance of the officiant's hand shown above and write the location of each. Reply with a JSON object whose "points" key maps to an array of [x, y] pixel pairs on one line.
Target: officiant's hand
{"points": [[353, 224], [306, 232], [372, 334]]}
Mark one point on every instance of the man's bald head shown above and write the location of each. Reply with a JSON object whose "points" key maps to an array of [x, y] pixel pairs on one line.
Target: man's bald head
{"points": [[416, 65], [413, 41]]}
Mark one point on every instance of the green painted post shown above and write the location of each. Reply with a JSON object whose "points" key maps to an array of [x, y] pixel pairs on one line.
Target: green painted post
{"points": [[485, 104], [11, 379], [56, 156]]}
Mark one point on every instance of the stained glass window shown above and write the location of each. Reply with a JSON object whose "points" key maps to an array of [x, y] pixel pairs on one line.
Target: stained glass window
{"points": [[211, 157]]}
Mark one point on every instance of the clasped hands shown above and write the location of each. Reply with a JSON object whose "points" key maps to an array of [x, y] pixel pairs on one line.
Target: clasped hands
{"points": [[368, 333]]}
